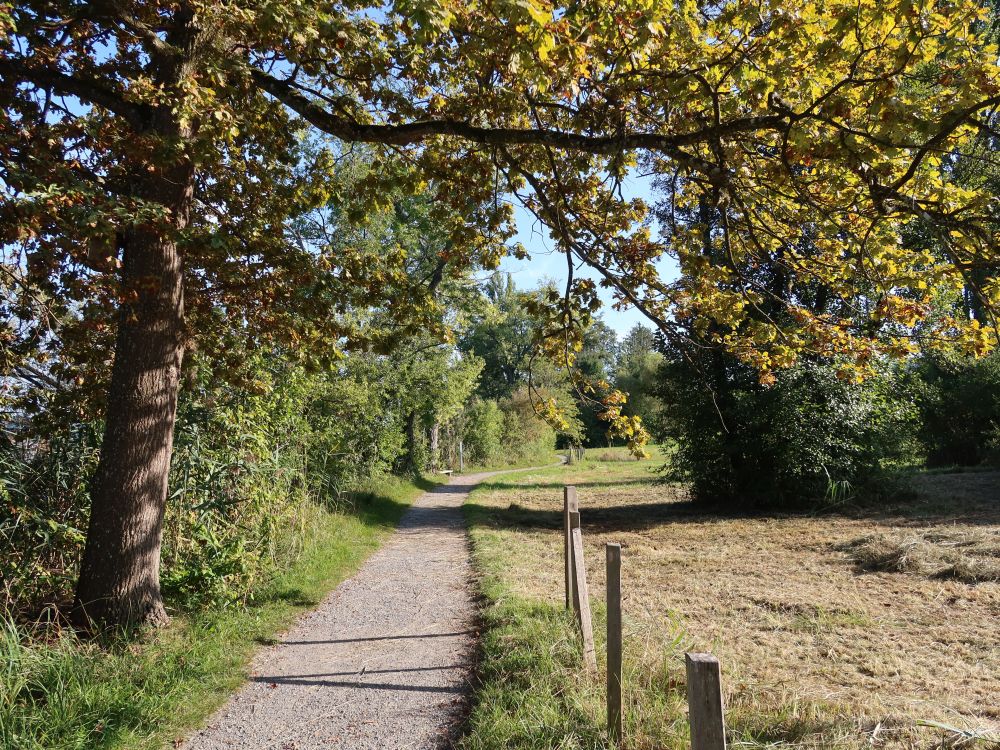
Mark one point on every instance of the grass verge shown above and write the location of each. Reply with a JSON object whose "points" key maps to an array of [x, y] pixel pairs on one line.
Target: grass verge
{"points": [[65, 694], [531, 692]]}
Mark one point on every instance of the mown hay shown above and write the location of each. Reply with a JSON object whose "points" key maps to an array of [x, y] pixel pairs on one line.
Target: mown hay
{"points": [[967, 556]]}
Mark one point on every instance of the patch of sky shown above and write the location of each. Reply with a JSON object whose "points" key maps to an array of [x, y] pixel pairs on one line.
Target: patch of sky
{"points": [[547, 263]]}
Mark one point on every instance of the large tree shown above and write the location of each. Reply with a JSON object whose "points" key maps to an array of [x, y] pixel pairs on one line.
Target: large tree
{"points": [[501, 332], [147, 161]]}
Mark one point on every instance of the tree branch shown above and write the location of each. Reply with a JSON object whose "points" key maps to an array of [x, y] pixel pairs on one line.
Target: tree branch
{"points": [[86, 89], [348, 129]]}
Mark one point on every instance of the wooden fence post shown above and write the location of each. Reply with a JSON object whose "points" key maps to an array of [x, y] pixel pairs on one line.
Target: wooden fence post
{"points": [[581, 595], [569, 506], [614, 570], [704, 688]]}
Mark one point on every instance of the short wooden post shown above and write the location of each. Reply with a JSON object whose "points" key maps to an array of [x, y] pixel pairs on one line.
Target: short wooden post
{"points": [[614, 570], [581, 595], [704, 688], [569, 506]]}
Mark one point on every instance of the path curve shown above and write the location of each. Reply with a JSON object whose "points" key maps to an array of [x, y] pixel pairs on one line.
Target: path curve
{"points": [[384, 662]]}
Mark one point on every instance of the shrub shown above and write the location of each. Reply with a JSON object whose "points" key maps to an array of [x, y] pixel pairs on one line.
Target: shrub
{"points": [[959, 402], [526, 437], [253, 459], [484, 423], [43, 501], [809, 436]]}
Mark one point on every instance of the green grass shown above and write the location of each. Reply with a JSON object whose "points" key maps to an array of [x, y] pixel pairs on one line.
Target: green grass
{"points": [[526, 462], [532, 691], [63, 693]]}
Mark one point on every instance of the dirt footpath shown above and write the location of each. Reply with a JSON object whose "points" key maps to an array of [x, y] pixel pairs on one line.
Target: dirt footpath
{"points": [[384, 662]]}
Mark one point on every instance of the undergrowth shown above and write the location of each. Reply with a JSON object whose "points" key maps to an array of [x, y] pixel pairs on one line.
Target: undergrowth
{"points": [[60, 693]]}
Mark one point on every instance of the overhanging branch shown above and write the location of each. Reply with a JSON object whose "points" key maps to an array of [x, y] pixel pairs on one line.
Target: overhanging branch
{"points": [[86, 89], [349, 129]]}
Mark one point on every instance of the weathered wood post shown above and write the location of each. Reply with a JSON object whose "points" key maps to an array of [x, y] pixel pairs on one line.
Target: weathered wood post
{"points": [[569, 506], [705, 712], [614, 571], [581, 594]]}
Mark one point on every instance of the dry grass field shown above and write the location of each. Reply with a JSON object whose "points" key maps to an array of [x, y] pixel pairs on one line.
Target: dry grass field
{"points": [[850, 629]]}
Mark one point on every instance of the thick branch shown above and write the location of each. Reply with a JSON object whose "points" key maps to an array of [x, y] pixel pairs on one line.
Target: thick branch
{"points": [[86, 89], [117, 13], [348, 129]]}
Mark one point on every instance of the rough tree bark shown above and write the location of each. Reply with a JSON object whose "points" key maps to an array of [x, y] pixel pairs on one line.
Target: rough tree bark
{"points": [[120, 572], [119, 581]]}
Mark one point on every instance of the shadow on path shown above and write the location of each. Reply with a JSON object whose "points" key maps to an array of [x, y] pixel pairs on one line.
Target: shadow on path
{"points": [[381, 638]]}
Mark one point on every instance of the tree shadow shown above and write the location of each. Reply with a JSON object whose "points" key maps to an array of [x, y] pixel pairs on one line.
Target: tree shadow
{"points": [[908, 509], [560, 483], [293, 595]]}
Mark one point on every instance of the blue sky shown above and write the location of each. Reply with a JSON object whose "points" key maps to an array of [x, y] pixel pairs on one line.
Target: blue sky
{"points": [[546, 263]]}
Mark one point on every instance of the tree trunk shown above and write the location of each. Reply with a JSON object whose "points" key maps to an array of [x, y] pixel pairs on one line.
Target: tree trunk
{"points": [[412, 462], [435, 432], [120, 572], [119, 580]]}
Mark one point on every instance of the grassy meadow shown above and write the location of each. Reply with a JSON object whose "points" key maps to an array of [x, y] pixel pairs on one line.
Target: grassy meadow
{"points": [[854, 628]]}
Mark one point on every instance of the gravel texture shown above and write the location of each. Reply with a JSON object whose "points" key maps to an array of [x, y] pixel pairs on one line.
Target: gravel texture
{"points": [[384, 662]]}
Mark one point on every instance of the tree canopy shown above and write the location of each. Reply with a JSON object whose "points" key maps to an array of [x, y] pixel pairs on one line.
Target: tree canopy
{"points": [[157, 159], [836, 119]]}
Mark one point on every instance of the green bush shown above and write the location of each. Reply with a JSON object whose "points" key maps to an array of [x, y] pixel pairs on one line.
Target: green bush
{"points": [[526, 437], [484, 424], [43, 501], [959, 402], [809, 436], [253, 460]]}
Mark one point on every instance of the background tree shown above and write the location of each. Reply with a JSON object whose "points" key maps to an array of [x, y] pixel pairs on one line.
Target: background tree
{"points": [[636, 371], [594, 363], [502, 333]]}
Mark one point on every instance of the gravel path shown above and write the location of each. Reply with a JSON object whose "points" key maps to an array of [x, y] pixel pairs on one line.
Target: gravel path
{"points": [[385, 660]]}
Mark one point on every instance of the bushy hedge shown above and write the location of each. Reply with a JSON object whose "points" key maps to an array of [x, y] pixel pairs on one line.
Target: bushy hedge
{"points": [[959, 402], [809, 436], [484, 433], [253, 464], [506, 432]]}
